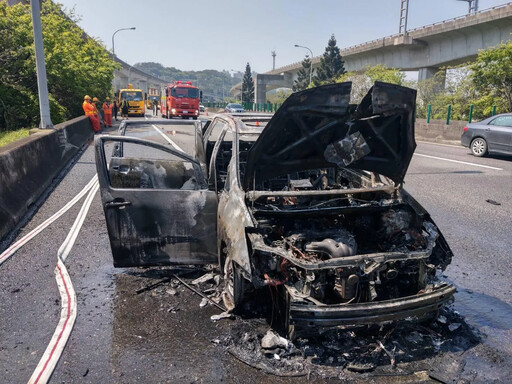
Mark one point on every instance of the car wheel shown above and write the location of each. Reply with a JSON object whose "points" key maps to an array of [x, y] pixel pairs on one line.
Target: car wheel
{"points": [[479, 147], [195, 118], [235, 286], [281, 313]]}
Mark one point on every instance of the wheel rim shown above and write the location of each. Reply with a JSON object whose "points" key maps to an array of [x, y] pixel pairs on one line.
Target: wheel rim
{"points": [[478, 146], [229, 287]]}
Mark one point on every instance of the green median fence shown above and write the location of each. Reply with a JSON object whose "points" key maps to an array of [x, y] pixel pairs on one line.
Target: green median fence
{"points": [[448, 114], [429, 112], [470, 117]]}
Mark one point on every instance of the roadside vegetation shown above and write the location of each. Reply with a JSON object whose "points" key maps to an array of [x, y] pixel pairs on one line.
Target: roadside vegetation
{"points": [[75, 65], [7, 137]]}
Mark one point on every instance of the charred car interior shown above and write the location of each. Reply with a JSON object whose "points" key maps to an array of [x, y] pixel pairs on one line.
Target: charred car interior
{"points": [[310, 209]]}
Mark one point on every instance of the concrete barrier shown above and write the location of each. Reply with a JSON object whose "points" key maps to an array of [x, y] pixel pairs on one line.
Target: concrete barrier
{"points": [[28, 166], [437, 131]]}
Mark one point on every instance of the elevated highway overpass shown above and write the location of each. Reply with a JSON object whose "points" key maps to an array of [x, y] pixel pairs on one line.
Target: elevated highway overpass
{"points": [[131, 75], [425, 49]]}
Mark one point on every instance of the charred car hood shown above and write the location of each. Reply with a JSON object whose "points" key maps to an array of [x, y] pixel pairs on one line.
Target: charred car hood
{"points": [[318, 127]]}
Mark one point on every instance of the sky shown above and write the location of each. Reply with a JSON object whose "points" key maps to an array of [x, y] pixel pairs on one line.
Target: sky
{"points": [[227, 34]]}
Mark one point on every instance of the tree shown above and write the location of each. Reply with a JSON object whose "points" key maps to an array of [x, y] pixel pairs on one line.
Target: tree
{"points": [[279, 96], [492, 73], [248, 86], [75, 65], [332, 65], [303, 76], [363, 80]]}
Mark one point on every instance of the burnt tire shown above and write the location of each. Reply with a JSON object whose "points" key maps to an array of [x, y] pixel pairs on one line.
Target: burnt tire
{"points": [[235, 286], [478, 147], [281, 313]]}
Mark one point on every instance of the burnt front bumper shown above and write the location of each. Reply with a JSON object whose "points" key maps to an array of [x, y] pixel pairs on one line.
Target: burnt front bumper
{"points": [[352, 315]]}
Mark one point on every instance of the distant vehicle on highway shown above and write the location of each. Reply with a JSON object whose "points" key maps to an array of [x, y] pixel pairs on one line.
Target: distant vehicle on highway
{"points": [[201, 108], [233, 107], [492, 135]]}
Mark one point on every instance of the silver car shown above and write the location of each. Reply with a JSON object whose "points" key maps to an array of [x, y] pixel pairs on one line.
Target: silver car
{"points": [[492, 135], [233, 107]]}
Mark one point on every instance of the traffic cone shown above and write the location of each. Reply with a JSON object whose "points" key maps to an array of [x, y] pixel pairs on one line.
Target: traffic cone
{"points": [[257, 123], [206, 112]]}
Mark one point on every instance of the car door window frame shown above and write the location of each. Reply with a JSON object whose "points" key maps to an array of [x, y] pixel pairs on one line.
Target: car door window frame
{"points": [[102, 164]]}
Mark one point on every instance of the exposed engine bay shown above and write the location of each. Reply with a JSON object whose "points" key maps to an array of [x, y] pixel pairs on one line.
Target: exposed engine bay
{"points": [[341, 243]]}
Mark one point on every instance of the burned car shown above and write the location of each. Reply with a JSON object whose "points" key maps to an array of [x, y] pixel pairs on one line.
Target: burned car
{"points": [[315, 210], [305, 209]]}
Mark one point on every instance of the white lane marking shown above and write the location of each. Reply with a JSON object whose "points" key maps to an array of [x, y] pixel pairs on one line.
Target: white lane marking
{"points": [[442, 145], [60, 337], [459, 162], [167, 138], [25, 239]]}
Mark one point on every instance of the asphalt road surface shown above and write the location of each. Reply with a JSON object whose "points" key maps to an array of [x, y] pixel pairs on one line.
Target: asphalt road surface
{"points": [[163, 335]]}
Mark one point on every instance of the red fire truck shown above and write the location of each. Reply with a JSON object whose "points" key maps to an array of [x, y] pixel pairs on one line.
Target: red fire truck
{"points": [[181, 99]]}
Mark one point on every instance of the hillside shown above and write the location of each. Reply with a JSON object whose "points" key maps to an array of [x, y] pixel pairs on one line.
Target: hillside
{"points": [[214, 84]]}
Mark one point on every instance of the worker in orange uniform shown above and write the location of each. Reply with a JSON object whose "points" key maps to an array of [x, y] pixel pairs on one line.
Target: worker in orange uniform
{"points": [[107, 112], [90, 112], [99, 112]]}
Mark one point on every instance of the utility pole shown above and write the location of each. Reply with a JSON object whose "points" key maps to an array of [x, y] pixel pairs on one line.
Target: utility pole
{"points": [[472, 6], [42, 83], [404, 11], [273, 60]]}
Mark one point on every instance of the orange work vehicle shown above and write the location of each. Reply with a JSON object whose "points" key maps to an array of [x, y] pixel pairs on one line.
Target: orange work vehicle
{"points": [[181, 100]]}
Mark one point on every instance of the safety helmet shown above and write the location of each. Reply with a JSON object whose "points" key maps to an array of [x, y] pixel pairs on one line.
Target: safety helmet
{"points": [[107, 99], [95, 99], [87, 97]]}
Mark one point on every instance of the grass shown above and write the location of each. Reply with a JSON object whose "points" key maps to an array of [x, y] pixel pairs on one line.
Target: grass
{"points": [[10, 136]]}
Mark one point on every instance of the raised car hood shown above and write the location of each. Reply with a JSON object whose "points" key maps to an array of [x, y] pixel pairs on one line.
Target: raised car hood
{"points": [[317, 128]]}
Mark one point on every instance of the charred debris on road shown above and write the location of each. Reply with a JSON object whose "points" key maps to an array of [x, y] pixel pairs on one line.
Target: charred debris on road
{"points": [[432, 349]]}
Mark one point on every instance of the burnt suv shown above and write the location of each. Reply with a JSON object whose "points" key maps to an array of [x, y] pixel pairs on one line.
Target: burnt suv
{"points": [[315, 209], [310, 208]]}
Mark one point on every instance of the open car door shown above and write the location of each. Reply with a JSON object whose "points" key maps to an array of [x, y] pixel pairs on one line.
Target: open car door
{"points": [[157, 205]]}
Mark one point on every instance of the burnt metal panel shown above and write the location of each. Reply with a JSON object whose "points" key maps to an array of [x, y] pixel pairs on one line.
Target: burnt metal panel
{"points": [[417, 306], [155, 225], [317, 128]]}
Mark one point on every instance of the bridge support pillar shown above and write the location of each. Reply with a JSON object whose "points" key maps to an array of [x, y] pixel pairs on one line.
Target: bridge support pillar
{"points": [[429, 72], [275, 81]]}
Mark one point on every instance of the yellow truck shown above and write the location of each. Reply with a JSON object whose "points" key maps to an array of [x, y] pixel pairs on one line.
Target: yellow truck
{"points": [[153, 95], [135, 98]]}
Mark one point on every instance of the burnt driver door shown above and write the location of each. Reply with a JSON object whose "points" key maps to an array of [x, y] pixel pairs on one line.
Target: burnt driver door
{"points": [[157, 205]]}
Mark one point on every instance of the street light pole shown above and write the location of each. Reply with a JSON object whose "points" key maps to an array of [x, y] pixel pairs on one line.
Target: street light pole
{"points": [[114, 52], [311, 64], [42, 84], [114, 34]]}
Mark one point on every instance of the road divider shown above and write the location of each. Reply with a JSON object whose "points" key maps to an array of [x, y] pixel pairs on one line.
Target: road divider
{"points": [[28, 166]]}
